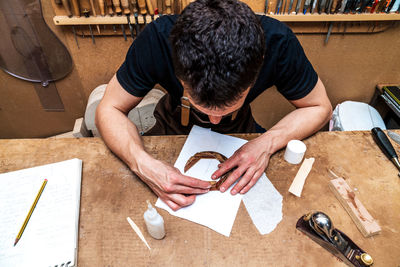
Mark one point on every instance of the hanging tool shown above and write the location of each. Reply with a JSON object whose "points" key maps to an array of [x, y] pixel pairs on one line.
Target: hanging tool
{"points": [[298, 6], [290, 6], [278, 6], [384, 144], [110, 10], [127, 12], [75, 8], [85, 9], [168, 10], [314, 5], [160, 7], [142, 9], [328, 6], [135, 13], [118, 10], [94, 14], [329, 32], [306, 6], [150, 9], [67, 8], [266, 7], [102, 8], [321, 6], [284, 7]]}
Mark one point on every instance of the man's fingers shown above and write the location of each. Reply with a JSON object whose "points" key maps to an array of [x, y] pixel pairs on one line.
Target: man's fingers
{"points": [[177, 201], [231, 179], [252, 182], [243, 181], [181, 189], [224, 167], [193, 182]]}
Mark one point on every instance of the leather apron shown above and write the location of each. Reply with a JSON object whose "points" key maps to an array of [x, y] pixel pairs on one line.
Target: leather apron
{"points": [[170, 119]]}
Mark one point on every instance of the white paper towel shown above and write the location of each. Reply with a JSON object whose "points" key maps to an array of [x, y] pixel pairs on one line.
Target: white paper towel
{"points": [[264, 205]]}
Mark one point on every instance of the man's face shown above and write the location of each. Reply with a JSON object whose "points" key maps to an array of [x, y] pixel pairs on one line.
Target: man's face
{"points": [[215, 115]]}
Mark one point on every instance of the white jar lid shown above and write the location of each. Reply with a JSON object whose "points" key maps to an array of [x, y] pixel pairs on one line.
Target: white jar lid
{"points": [[295, 150]]}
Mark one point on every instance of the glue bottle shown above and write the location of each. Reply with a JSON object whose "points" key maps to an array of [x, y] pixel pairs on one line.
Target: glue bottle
{"points": [[154, 222]]}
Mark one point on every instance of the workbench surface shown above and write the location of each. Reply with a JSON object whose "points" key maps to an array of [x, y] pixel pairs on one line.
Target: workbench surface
{"points": [[110, 193]]}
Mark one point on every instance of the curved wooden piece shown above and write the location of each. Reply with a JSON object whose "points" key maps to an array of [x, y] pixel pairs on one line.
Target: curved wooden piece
{"points": [[208, 155]]}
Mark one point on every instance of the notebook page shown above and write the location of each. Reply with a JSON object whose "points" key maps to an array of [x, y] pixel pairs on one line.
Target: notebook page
{"points": [[51, 233]]}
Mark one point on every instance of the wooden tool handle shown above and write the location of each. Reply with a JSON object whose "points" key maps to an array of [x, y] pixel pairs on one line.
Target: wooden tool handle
{"points": [[134, 6], [75, 8], [93, 8], [117, 7], [150, 7], [85, 7], [142, 7], [102, 7], [168, 7], [110, 10], [67, 8], [125, 7]]}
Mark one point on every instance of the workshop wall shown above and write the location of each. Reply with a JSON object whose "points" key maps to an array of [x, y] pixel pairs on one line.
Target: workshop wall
{"points": [[350, 65]]}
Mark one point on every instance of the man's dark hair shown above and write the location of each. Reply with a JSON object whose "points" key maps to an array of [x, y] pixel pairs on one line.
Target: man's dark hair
{"points": [[217, 50]]}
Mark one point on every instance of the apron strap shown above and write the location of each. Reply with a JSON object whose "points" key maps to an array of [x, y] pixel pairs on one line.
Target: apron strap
{"points": [[185, 109]]}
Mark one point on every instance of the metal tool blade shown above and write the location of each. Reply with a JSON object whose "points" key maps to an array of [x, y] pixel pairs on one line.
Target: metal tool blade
{"points": [[394, 136]]}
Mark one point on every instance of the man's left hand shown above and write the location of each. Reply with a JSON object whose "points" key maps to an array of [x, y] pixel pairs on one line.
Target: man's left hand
{"points": [[250, 161]]}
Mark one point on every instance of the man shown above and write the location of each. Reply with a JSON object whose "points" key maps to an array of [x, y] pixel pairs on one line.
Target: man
{"points": [[213, 59]]}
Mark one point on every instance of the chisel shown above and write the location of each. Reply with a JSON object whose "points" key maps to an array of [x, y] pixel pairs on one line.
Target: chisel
{"points": [[321, 6], [102, 8], [142, 9], [278, 6], [85, 9], [306, 6], [127, 13], [150, 9], [94, 14], [75, 8], [314, 5], [160, 7], [298, 6], [118, 10], [290, 6], [168, 10], [135, 13], [384, 144], [67, 8], [110, 10]]}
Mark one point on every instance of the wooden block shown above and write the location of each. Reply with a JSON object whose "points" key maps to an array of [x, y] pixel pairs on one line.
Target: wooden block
{"points": [[63, 135], [298, 182], [361, 217], [80, 129]]}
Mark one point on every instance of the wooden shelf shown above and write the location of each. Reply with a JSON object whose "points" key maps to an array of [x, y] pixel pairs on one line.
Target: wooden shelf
{"points": [[64, 20], [336, 17]]}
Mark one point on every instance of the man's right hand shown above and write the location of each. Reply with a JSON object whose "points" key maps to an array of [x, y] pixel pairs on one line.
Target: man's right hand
{"points": [[167, 182]]}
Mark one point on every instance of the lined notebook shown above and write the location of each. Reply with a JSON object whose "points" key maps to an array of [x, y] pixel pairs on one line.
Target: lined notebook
{"points": [[51, 235]]}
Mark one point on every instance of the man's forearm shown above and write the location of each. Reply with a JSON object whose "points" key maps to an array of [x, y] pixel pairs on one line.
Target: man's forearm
{"points": [[312, 113], [120, 135], [298, 124]]}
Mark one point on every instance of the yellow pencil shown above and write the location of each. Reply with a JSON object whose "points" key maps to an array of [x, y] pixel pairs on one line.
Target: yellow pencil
{"points": [[30, 212]]}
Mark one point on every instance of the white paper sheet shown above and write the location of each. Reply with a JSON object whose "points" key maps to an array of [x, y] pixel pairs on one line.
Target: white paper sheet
{"points": [[218, 210]]}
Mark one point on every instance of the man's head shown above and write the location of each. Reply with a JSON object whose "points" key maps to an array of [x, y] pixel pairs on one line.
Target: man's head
{"points": [[217, 50]]}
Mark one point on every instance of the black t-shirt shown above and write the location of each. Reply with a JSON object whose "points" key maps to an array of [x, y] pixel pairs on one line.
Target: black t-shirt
{"points": [[149, 62]]}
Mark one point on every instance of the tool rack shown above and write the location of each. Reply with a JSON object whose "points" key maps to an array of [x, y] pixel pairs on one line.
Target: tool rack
{"points": [[299, 23]]}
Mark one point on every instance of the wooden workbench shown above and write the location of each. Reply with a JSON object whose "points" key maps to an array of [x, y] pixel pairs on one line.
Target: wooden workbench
{"points": [[110, 193]]}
